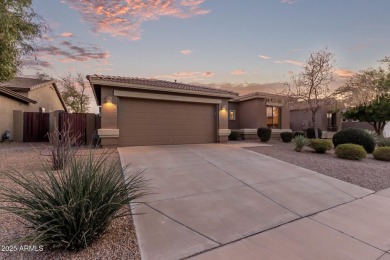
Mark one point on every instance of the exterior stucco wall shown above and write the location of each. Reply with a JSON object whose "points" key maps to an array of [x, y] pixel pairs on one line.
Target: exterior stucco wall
{"points": [[362, 125], [285, 120], [233, 124], [301, 119], [47, 98], [7, 106], [251, 114]]}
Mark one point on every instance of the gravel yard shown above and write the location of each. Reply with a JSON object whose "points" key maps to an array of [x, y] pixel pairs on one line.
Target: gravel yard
{"points": [[119, 242], [368, 173]]}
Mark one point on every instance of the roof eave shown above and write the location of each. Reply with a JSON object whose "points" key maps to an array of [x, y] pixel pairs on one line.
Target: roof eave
{"points": [[145, 87]]}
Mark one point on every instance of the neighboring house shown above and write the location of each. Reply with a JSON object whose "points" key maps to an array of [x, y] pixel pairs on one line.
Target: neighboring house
{"points": [[138, 111], [26, 95], [328, 117], [249, 112]]}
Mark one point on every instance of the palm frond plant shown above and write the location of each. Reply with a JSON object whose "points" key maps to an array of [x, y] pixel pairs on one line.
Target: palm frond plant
{"points": [[70, 209]]}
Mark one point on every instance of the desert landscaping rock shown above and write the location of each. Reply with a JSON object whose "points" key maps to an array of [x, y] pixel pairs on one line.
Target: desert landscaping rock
{"points": [[367, 173]]}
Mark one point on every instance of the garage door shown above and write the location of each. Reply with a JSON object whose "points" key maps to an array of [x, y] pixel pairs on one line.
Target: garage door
{"points": [[154, 122]]}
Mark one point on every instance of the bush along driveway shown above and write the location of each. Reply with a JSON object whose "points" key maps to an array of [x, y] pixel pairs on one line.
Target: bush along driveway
{"points": [[217, 201]]}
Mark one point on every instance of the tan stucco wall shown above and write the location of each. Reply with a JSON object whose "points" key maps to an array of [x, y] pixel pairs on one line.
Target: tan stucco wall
{"points": [[7, 106], [251, 114], [285, 121], [47, 98]]}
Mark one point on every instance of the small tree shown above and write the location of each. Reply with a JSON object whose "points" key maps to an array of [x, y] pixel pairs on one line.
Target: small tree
{"points": [[376, 113], [74, 92], [19, 26], [311, 85]]}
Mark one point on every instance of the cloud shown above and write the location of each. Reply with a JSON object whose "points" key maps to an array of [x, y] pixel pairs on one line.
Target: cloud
{"points": [[67, 34], [344, 73], [186, 52], [123, 18], [293, 62], [264, 57], [238, 72], [188, 75], [288, 1], [36, 63], [68, 52], [357, 47]]}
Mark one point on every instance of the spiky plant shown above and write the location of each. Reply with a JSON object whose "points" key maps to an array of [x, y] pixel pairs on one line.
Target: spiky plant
{"points": [[70, 209], [300, 141]]}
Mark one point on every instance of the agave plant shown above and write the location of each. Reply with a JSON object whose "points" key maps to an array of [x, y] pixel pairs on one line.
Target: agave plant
{"points": [[70, 209], [300, 142]]}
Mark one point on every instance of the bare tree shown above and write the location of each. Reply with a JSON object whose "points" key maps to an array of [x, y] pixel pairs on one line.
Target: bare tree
{"points": [[74, 92], [311, 85]]}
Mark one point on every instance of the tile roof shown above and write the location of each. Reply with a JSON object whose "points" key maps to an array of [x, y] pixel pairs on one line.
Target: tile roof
{"points": [[24, 84], [258, 95], [12, 94], [161, 84]]}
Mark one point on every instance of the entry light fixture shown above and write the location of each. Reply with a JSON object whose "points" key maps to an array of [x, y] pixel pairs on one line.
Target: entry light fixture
{"points": [[109, 99], [223, 107]]}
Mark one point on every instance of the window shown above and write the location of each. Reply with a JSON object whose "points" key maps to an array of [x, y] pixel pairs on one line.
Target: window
{"points": [[232, 114], [273, 117]]}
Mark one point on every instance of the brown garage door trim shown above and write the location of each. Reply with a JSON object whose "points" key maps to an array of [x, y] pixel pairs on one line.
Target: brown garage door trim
{"points": [[153, 96]]}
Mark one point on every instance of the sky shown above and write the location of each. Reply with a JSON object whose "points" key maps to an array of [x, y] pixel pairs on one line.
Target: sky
{"points": [[212, 42]]}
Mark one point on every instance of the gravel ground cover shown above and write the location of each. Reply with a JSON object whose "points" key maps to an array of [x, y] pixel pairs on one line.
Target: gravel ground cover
{"points": [[119, 242], [368, 173]]}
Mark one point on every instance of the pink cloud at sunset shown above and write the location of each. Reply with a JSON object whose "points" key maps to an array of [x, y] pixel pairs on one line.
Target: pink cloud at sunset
{"points": [[264, 57], [238, 72], [67, 34], [344, 73], [293, 62], [186, 52], [123, 18], [189, 75]]}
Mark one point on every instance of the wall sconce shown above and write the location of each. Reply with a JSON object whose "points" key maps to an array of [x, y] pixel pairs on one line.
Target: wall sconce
{"points": [[109, 99], [223, 107]]}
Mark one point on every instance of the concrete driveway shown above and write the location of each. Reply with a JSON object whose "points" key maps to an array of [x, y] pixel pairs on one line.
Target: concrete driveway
{"points": [[216, 201]]}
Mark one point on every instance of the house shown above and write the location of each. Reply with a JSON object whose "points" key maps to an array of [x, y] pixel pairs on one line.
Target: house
{"points": [[328, 117], [249, 112], [137, 111], [26, 95]]}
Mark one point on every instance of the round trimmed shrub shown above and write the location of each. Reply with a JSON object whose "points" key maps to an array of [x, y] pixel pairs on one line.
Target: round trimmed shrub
{"points": [[311, 134], [350, 151], [264, 134], [286, 136], [233, 136], [354, 136], [382, 153], [297, 133], [320, 146]]}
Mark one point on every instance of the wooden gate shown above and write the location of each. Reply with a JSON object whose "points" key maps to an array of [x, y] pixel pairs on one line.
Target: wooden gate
{"points": [[36, 126], [77, 125]]}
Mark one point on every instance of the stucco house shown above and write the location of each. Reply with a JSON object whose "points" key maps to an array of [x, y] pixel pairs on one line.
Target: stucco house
{"points": [[137, 111], [328, 117], [249, 112], [26, 95]]}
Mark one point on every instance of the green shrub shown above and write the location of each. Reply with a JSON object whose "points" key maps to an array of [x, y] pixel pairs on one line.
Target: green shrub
{"points": [[383, 142], [373, 134], [311, 133], [354, 136], [382, 153], [350, 151], [300, 142], [234, 135], [70, 209], [299, 133], [264, 134], [286, 136], [320, 146]]}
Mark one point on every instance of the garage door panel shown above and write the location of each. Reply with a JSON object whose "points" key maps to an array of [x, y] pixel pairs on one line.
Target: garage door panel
{"points": [[152, 122]]}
